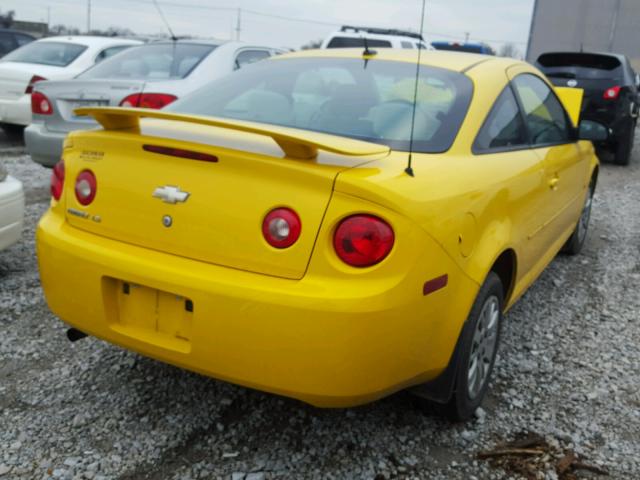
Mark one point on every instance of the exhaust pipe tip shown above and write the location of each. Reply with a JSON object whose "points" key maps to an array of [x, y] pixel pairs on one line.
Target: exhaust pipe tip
{"points": [[73, 334]]}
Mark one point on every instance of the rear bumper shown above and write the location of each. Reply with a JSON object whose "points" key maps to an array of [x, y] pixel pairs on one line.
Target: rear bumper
{"points": [[44, 146], [16, 112], [315, 339], [11, 211]]}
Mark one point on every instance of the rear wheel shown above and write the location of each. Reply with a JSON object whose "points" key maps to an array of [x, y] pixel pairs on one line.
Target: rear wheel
{"points": [[622, 154], [576, 240], [480, 339]]}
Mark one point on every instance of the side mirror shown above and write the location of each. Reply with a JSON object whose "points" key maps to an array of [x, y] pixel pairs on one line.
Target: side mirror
{"points": [[594, 131], [637, 80]]}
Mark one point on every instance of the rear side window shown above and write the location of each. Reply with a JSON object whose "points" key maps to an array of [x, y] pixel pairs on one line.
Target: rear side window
{"points": [[109, 52], [544, 114], [152, 62], [580, 65], [503, 128], [57, 54], [250, 56], [348, 42]]}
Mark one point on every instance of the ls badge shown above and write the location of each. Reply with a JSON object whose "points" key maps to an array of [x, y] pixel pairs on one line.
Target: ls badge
{"points": [[170, 194]]}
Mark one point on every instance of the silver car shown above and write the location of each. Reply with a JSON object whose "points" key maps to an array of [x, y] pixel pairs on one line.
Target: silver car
{"points": [[147, 76]]}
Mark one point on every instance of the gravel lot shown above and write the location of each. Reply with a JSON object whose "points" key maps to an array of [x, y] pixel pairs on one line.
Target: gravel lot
{"points": [[569, 371]]}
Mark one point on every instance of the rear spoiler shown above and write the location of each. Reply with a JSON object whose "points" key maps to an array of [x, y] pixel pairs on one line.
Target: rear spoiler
{"points": [[295, 143]]}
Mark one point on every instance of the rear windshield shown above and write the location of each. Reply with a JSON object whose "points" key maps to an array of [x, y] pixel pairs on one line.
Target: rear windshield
{"points": [[57, 54], [367, 100], [165, 61], [580, 65], [349, 42]]}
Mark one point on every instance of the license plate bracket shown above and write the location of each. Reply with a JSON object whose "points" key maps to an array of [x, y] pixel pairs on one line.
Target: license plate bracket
{"points": [[150, 315]]}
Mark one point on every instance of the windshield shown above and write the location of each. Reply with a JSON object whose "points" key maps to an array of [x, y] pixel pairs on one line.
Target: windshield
{"points": [[580, 65], [57, 54], [368, 100], [166, 61]]}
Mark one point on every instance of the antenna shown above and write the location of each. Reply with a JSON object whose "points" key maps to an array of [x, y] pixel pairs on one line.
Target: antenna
{"points": [[409, 170], [173, 37], [367, 51]]}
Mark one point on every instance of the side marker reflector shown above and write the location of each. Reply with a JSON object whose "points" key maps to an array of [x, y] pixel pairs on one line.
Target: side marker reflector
{"points": [[435, 284]]}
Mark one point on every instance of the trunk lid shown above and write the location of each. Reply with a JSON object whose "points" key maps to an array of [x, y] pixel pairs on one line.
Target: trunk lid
{"points": [[67, 95], [15, 77], [220, 221]]}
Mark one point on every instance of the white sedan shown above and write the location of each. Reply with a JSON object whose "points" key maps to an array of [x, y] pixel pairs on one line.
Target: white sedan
{"points": [[52, 58], [149, 76], [11, 209]]}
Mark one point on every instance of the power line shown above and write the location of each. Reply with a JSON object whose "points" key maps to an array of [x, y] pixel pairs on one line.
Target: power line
{"points": [[240, 11]]}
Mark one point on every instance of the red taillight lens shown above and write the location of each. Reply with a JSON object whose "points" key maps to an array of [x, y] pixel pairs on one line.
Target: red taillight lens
{"points": [[34, 79], [281, 227], [57, 180], [363, 240], [86, 187], [611, 93], [148, 100], [40, 104]]}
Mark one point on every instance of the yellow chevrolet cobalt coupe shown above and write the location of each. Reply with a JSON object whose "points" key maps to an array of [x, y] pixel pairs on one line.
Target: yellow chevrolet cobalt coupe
{"points": [[266, 230]]}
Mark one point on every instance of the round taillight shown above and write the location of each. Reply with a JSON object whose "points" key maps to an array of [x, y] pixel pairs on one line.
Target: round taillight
{"points": [[363, 240], [86, 187], [281, 227], [40, 104], [57, 180]]}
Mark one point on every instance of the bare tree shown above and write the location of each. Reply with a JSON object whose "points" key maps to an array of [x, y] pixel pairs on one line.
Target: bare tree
{"points": [[311, 45], [6, 19], [509, 50]]}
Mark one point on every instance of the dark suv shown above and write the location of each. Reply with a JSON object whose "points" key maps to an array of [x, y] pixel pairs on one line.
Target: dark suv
{"points": [[611, 92], [10, 40]]}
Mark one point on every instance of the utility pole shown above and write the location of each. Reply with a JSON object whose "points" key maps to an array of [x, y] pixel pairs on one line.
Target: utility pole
{"points": [[466, 37], [88, 16], [239, 24], [48, 18]]}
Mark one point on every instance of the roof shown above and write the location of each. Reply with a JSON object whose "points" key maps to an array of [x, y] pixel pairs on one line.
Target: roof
{"points": [[90, 40], [456, 61]]}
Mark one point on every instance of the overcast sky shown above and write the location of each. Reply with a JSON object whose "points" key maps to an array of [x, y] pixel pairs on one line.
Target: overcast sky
{"points": [[494, 21]]}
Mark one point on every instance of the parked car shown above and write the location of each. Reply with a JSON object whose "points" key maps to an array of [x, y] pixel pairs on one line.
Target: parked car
{"points": [[467, 47], [266, 229], [47, 58], [149, 76], [11, 209], [12, 39], [611, 93], [351, 37]]}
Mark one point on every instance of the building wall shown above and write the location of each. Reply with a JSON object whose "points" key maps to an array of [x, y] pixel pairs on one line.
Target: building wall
{"points": [[590, 25]]}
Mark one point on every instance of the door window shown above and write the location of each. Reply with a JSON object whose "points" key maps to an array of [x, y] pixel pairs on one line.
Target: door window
{"points": [[545, 116], [250, 56], [503, 128]]}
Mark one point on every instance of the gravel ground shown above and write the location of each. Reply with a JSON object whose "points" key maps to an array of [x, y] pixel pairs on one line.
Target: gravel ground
{"points": [[568, 371]]}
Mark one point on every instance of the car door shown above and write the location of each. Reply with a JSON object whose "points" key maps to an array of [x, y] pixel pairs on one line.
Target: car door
{"points": [[502, 146], [553, 139]]}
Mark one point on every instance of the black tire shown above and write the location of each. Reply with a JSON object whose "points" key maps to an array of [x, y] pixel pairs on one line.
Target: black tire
{"points": [[576, 240], [622, 154], [467, 394], [13, 132]]}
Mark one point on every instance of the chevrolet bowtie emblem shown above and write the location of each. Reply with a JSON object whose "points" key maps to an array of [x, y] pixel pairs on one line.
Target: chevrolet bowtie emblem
{"points": [[170, 194]]}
